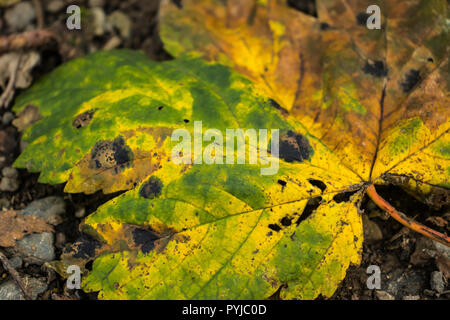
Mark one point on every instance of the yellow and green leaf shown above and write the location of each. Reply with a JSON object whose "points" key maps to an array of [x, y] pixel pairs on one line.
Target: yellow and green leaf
{"points": [[355, 106]]}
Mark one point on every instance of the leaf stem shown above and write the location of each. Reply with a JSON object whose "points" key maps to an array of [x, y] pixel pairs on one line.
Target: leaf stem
{"points": [[405, 220]]}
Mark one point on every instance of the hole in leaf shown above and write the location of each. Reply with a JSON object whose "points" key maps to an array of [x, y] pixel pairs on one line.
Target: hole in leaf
{"points": [[83, 119]]}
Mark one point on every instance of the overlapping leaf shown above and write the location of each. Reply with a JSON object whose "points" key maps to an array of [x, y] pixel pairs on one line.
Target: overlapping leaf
{"points": [[377, 98]]}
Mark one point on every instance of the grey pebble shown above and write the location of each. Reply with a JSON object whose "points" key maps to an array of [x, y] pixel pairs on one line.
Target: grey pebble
{"points": [[437, 282], [55, 6], [9, 290], [16, 262], [20, 16], [9, 184], [50, 209], [7, 118], [36, 248]]}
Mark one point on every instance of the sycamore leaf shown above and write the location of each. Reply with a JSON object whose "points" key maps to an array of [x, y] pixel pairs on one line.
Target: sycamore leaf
{"points": [[378, 98], [354, 107], [190, 231]]}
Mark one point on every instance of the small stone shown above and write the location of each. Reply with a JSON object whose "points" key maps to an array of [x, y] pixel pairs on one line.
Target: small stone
{"points": [[121, 21], [9, 184], [80, 212], [2, 161], [16, 262], [7, 141], [442, 249], [50, 209], [9, 290], [96, 3], [19, 17], [60, 240], [383, 295], [437, 282], [36, 248], [4, 203], [10, 172], [112, 43], [99, 20], [372, 231], [55, 6], [7, 118]]}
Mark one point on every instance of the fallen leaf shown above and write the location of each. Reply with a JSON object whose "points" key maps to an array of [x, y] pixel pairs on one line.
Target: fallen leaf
{"points": [[14, 226], [350, 111], [377, 98]]}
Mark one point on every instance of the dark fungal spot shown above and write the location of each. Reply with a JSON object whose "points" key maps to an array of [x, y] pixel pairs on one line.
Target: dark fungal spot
{"points": [[430, 60], [286, 221], [84, 247], [160, 107], [178, 3], [361, 18], [282, 183], [186, 121], [145, 239], [344, 196], [319, 184], [410, 80], [83, 119], [375, 68], [151, 188], [108, 154], [310, 207], [324, 26], [294, 147], [277, 106], [305, 6], [274, 227]]}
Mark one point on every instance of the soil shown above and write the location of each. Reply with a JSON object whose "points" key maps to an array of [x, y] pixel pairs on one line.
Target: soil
{"points": [[393, 251]]}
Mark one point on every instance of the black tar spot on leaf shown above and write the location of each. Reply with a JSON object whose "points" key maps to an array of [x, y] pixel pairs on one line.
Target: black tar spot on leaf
{"points": [[178, 3], [152, 188], [145, 238], [275, 227], [319, 184], [376, 68], [84, 247], [108, 154], [286, 221], [294, 147], [344, 196], [411, 79], [324, 26], [361, 18], [277, 106], [282, 183], [310, 207]]}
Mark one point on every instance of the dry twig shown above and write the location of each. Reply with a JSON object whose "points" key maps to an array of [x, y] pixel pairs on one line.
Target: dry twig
{"points": [[15, 275]]}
